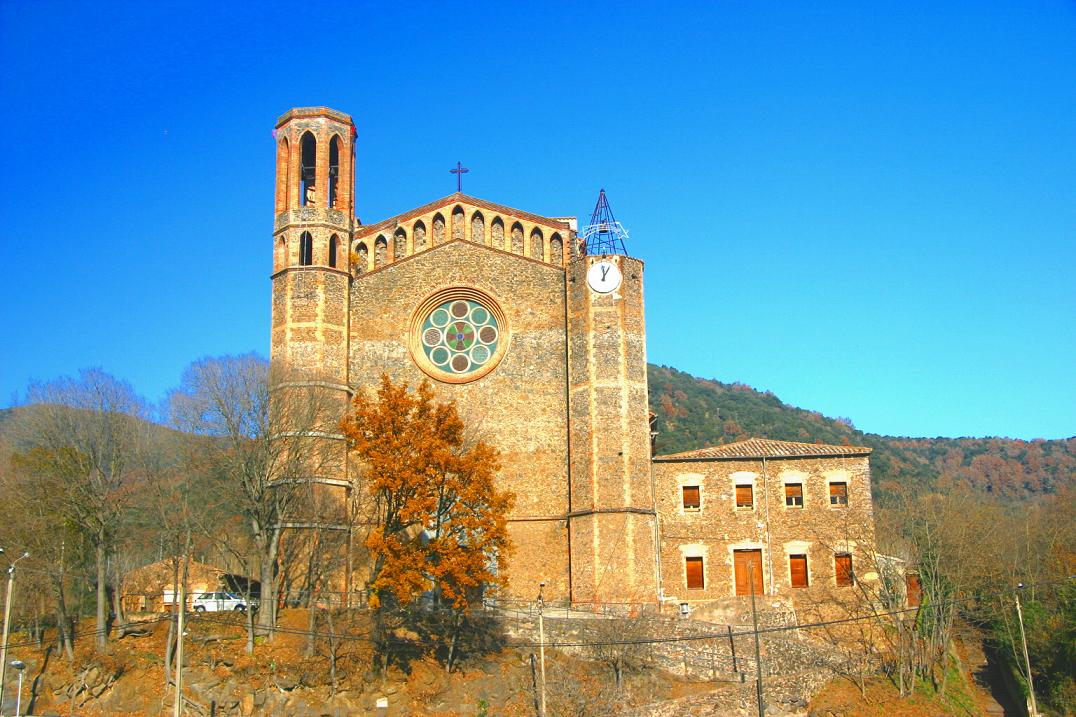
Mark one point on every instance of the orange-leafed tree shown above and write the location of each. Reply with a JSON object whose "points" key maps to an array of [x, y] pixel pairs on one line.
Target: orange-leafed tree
{"points": [[438, 527]]}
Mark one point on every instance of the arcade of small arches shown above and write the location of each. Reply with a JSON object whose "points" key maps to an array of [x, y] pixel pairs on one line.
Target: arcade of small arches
{"points": [[375, 250]]}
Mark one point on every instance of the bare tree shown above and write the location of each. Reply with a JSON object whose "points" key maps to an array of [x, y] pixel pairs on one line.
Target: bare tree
{"points": [[85, 439], [258, 443]]}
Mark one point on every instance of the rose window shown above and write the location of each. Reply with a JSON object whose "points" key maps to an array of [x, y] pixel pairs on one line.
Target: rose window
{"points": [[460, 337]]}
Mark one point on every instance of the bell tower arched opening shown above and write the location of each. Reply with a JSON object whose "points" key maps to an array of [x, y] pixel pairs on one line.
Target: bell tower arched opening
{"points": [[282, 157], [334, 171], [308, 191]]}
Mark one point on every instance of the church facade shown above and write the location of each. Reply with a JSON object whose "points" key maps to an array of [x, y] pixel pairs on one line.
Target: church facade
{"points": [[541, 344]]}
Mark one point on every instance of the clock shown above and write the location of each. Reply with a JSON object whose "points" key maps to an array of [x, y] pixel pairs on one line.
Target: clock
{"points": [[604, 276]]}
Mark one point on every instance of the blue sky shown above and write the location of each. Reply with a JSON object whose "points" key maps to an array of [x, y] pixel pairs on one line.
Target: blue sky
{"points": [[867, 208]]}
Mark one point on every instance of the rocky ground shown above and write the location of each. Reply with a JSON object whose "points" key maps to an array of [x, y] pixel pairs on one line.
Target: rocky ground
{"points": [[282, 678]]}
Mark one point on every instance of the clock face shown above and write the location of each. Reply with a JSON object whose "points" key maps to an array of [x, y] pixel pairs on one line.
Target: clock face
{"points": [[603, 277]]}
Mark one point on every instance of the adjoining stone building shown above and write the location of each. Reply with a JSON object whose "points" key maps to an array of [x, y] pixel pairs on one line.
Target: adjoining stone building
{"points": [[764, 516], [541, 343]]}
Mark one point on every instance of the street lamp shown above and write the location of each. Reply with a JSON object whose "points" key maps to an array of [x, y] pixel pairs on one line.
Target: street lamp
{"points": [[7, 622], [541, 639], [20, 666]]}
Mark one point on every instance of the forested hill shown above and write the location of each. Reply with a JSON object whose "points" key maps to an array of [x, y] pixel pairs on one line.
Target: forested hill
{"points": [[694, 412]]}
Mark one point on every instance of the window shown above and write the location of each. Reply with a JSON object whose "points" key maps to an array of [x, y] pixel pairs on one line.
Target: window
{"points": [[745, 496], [334, 170], [843, 565], [914, 589], [693, 570], [838, 493], [332, 250], [794, 495], [692, 499], [797, 569], [306, 249], [308, 193]]}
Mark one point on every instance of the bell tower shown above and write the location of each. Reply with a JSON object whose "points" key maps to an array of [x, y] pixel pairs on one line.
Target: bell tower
{"points": [[313, 224], [612, 520]]}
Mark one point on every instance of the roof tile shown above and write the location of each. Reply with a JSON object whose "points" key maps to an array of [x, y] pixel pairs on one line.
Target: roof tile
{"points": [[767, 448]]}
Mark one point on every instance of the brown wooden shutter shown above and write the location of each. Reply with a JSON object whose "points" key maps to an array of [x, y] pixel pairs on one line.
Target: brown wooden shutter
{"points": [[744, 496], [838, 494], [747, 565], [794, 494], [691, 497], [797, 567], [915, 589], [843, 565], [693, 569]]}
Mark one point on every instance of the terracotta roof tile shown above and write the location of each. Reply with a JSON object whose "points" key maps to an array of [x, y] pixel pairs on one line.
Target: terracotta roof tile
{"points": [[766, 448]]}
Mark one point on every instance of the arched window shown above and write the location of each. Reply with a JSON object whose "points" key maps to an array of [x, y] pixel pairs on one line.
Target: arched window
{"points": [[556, 250], [517, 238], [362, 258], [537, 245], [419, 237], [334, 169], [282, 163], [438, 230], [497, 233], [308, 192], [306, 249], [333, 242], [457, 223], [478, 228], [399, 244], [381, 250]]}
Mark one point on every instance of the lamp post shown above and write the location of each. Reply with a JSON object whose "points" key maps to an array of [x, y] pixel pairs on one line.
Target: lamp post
{"points": [[1027, 661], [19, 665], [541, 639], [7, 623]]}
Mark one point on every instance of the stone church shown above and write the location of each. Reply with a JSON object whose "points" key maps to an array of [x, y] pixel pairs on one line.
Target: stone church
{"points": [[542, 344]]}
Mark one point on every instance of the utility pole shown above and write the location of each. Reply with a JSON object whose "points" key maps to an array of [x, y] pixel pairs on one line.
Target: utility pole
{"points": [[758, 651], [7, 623], [177, 705], [1023, 641], [541, 641]]}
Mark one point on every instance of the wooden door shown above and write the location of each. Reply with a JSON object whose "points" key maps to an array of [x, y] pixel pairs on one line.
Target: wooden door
{"points": [[747, 565]]}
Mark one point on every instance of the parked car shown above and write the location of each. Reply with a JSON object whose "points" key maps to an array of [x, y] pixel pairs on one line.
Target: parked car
{"points": [[220, 602]]}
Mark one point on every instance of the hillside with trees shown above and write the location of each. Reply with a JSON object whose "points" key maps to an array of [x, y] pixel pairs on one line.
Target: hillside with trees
{"points": [[694, 412]]}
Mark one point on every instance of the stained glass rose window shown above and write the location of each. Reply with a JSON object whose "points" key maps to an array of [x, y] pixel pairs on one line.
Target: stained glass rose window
{"points": [[459, 336]]}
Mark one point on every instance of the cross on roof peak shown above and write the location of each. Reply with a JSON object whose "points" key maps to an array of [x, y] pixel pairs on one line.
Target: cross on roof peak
{"points": [[459, 171]]}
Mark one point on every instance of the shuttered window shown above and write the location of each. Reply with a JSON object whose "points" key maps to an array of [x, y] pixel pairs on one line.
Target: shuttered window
{"points": [[915, 589], [797, 569], [693, 570], [843, 564], [794, 495], [745, 497], [838, 494], [691, 497]]}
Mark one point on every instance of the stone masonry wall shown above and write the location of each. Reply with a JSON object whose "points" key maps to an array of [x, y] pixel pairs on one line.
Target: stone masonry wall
{"points": [[718, 527], [612, 525], [520, 406]]}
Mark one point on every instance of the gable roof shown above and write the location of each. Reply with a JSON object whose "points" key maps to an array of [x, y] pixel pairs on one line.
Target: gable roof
{"points": [[765, 448], [456, 198]]}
